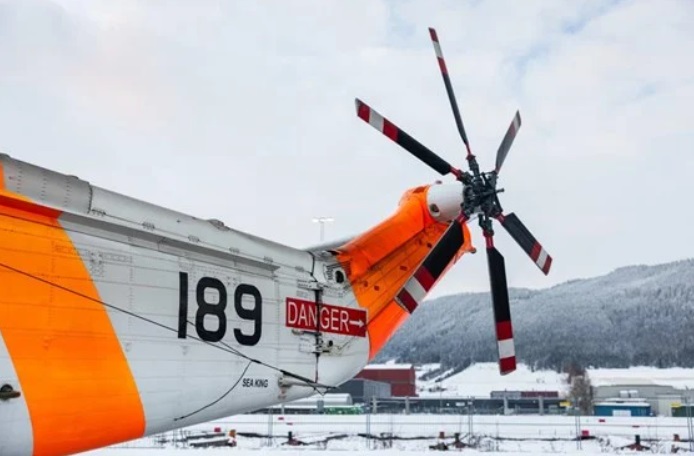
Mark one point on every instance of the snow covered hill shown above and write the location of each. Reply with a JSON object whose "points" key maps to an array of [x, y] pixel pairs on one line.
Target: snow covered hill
{"points": [[481, 379], [637, 315]]}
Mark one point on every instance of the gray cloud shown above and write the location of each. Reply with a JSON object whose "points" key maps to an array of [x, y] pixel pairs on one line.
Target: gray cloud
{"points": [[243, 111]]}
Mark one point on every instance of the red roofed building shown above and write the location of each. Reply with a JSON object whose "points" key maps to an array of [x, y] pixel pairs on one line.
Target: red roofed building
{"points": [[401, 377]]}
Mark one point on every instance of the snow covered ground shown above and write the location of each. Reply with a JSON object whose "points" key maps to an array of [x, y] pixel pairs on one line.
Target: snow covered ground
{"points": [[527, 450], [290, 452], [508, 435], [325, 434]]}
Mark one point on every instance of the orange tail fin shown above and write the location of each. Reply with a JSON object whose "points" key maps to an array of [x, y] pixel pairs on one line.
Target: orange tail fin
{"points": [[380, 261]]}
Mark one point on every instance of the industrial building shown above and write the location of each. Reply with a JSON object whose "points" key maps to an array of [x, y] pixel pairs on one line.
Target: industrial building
{"points": [[624, 407], [461, 405], [391, 388], [401, 377], [362, 389], [331, 403], [661, 399]]}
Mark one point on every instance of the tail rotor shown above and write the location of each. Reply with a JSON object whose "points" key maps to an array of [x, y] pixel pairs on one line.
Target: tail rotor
{"points": [[480, 198]]}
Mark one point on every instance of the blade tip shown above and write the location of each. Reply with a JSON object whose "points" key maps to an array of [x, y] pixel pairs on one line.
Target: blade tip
{"points": [[363, 111], [548, 265], [432, 34], [507, 365]]}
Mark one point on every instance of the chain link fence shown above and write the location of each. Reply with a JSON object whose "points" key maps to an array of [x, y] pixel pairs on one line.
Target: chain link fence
{"points": [[373, 427]]}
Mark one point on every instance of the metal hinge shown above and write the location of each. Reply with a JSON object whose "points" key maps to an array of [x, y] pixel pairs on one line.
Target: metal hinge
{"points": [[309, 284]]}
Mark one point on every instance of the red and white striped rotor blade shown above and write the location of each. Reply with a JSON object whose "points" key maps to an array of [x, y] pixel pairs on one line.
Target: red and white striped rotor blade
{"points": [[449, 88], [501, 307], [436, 261], [527, 241], [407, 142], [506, 143]]}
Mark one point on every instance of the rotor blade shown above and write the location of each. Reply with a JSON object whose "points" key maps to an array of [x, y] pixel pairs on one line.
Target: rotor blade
{"points": [[506, 143], [527, 241], [449, 88], [407, 142], [502, 309], [432, 267]]}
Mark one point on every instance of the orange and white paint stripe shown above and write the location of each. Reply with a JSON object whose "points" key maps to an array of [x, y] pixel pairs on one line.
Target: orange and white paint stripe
{"points": [[58, 342]]}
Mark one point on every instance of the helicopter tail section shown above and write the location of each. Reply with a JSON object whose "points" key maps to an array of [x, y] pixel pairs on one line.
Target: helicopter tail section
{"points": [[381, 261]]}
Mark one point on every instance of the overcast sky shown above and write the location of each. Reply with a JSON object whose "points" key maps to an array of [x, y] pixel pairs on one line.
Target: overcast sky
{"points": [[244, 111]]}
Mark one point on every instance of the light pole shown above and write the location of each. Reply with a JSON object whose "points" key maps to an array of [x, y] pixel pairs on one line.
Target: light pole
{"points": [[322, 221]]}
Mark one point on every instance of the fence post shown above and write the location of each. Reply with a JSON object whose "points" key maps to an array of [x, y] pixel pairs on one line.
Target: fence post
{"points": [[690, 428], [469, 419], [577, 413], [496, 445], [269, 426], [368, 428]]}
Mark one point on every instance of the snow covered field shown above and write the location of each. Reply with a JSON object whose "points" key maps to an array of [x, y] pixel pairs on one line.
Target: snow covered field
{"points": [[492, 434], [290, 452], [527, 450], [324, 435]]}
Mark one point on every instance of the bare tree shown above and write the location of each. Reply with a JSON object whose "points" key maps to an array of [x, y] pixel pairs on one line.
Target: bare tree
{"points": [[581, 392]]}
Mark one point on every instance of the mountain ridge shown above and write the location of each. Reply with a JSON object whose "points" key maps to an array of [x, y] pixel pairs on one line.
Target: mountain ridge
{"points": [[636, 314]]}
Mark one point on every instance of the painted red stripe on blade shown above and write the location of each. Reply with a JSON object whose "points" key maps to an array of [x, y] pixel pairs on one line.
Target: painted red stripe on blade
{"points": [[424, 277], [504, 330], [390, 130], [363, 112], [507, 365], [442, 65], [535, 252], [432, 34], [490, 241], [547, 265], [407, 300]]}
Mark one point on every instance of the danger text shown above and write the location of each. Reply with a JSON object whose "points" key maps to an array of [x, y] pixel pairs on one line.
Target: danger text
{"points": [[302, 314]]}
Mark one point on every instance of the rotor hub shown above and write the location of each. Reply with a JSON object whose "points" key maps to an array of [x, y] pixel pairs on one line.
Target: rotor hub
{"points": [[480, 195]]}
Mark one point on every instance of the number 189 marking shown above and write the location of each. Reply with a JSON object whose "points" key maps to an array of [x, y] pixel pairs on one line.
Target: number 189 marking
{"points": [[218, 310]]}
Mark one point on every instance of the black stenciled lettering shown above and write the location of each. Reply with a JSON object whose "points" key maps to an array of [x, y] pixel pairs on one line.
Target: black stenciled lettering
{"points": [[182, 305], [208, 308], [255, 383], [217, 310], [254, 314]]}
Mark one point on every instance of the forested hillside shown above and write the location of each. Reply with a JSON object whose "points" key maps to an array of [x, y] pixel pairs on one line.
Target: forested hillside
{"points": [[638, 315]]}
